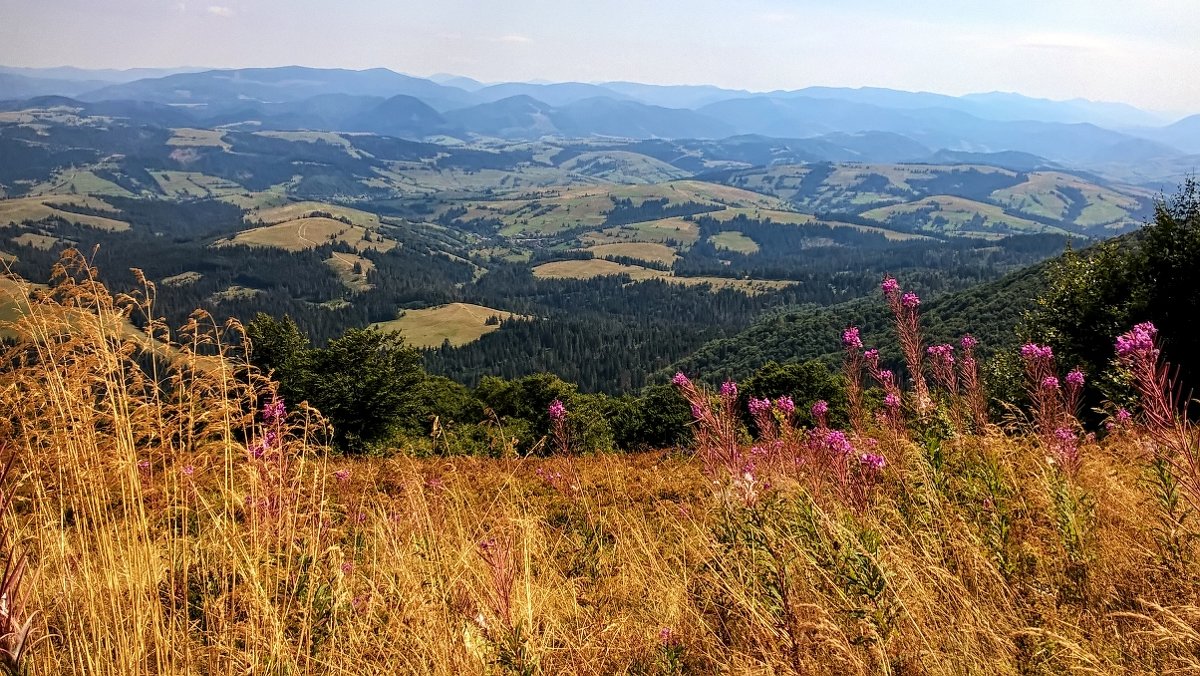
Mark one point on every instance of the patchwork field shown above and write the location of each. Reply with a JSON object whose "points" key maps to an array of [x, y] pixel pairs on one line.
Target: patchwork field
{"points": [[1055, 195], [958, 216], [459, 323], [194, 184], [587, 269], [666, 230], [78, 182], [551, 211]]}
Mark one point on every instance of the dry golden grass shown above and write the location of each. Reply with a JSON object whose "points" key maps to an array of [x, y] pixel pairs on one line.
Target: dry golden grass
{"points": [[159, 544], [32, 209], [459, 323]]}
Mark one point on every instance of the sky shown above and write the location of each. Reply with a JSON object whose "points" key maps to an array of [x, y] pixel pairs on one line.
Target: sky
{"points": [[1143, 52]]}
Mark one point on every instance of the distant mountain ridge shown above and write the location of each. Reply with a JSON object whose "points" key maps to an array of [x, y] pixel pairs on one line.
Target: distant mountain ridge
{"points": [[877, 123]]}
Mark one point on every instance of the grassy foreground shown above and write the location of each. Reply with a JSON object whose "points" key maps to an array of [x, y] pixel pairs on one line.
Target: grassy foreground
{"points": [[198, 528]]}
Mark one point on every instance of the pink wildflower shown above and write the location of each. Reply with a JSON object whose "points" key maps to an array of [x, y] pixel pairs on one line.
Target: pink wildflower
{"points": [[759, 406], [342, 475], [1138, 340], [820, 409], [968, 342], [274, 411], [1075, 378], [1050, 383], [851, 339], [785, 405], [891, 401], [890, 285], [680, 380], [729, 389], [910, 300], [557, 411], [873, 461]]}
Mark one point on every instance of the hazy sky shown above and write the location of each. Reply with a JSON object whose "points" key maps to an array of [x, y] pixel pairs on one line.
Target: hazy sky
{"points": [[1144, 52]]}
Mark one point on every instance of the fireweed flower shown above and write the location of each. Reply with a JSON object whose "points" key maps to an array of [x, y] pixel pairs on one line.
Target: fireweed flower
{"points": [[851, 339], [274, 411], [1033, 351], [680, 380], [886, 376], [759, 406], [968, 342], [872, 461], [910, 300], [820, 409], [1050, 383], [836, 441], [1137, 341], [891, 401], [557, 411], [1122, 415], [944, 352], [872, 356], [890, 285], [1075, 378], [785, 405], [729, 389], [697, 413]]}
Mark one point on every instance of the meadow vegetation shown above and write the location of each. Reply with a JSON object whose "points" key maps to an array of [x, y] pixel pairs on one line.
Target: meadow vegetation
{"points": [[169, 508]]}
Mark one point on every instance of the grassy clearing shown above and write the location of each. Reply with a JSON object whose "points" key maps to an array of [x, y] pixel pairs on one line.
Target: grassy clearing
{"points": [[252, 201], [182, 279], [1042, 195], [37, 241], [315, 137], [296, 210], [345, 265], [734, 241], [163, 536], [645, 251], [307, 233], [459, 323], [596, 267], [623, 167], [34, 209], [187, 137]]}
